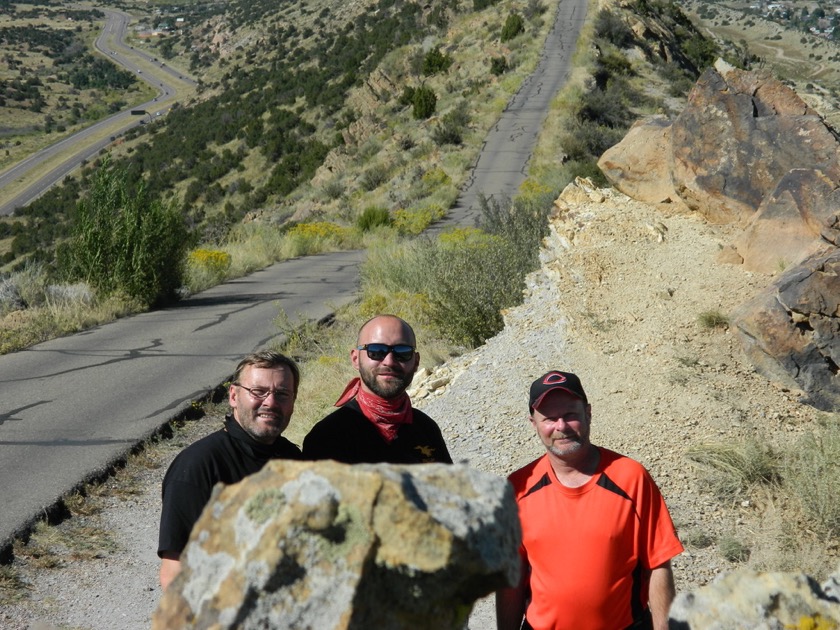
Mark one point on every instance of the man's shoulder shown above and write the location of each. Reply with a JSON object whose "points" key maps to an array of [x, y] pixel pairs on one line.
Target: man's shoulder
{"points": [[200, 456], [614, 462], [419, 416], [213, 442], [536, 469], [342, 414]]}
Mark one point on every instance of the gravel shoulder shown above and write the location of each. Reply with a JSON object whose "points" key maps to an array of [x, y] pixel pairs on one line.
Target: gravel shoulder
{"points": [[617, 301]]}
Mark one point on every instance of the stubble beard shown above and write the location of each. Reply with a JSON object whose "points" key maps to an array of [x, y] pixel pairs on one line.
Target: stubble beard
{"points": [[389, 389]]}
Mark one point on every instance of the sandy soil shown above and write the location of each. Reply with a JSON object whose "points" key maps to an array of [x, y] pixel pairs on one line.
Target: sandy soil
{"points": [[617, 301]]}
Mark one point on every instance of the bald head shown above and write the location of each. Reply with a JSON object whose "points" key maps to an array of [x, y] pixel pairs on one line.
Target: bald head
{"points": [[386, 325], [388, 376]]}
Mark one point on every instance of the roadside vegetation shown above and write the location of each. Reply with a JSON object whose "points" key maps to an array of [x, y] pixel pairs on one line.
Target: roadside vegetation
{"points": [[393, 172]]}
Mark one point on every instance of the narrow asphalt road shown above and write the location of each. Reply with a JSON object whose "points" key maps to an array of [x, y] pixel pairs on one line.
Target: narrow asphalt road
{"points": [[71, 407]]}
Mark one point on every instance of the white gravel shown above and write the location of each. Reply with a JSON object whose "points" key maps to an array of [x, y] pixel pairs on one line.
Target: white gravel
{"points": [[614, 303]]}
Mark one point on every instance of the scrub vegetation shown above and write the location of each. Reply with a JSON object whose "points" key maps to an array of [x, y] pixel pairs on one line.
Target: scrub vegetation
{"points": [[255, 145]]}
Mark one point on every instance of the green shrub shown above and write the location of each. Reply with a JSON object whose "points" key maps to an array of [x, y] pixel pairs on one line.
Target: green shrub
{"points": [[447, 131], [470, 275], [733, 549], [206, 268], [372, 217], [374, 177], [514, 25], [407, 96], [498, 66], [612, 28], [424, 102], [435, 61], [123, 241], [478, 5], [413, 221]]}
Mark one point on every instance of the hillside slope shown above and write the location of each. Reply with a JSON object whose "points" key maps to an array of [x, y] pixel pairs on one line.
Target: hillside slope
{"points": [[617, 301]]}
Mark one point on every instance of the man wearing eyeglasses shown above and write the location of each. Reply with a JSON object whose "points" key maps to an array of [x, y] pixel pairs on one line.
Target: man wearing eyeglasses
{"points": [[262, 398], [375, 422]]}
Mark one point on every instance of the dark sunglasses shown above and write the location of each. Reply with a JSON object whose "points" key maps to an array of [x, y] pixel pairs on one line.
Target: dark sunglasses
{"points": [[378, 351]]}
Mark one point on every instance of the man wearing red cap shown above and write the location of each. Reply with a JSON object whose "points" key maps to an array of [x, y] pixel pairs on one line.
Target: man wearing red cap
{"points": [[375, 421], [597, 539]]}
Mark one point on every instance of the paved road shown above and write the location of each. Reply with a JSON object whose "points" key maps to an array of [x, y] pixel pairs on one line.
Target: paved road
{"points": [[503, 163], [88, 142], [71, 407]]}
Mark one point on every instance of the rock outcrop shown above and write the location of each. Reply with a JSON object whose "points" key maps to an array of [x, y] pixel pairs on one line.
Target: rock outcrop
{"points": [[791, 330], [747, 150], [322, 545], [747, 599]]}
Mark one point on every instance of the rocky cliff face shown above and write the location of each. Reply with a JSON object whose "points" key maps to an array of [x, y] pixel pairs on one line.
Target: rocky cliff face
{"points": [[747, 150]]}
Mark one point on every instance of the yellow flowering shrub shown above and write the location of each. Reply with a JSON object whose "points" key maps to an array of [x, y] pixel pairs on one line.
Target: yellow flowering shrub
{"points": [[206, 268], [413, 221], [212, 260], [319, 236]]}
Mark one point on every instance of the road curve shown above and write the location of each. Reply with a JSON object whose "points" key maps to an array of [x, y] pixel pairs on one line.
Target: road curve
{"points": [[73, 406], [76, 149]]}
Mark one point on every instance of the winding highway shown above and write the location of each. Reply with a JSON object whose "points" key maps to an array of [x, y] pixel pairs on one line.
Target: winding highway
{"points": [[71, 407], [21, 184]]}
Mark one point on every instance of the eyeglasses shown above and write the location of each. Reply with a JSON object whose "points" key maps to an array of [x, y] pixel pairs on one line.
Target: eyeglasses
{"points": [[261, 393], [378, 351]]}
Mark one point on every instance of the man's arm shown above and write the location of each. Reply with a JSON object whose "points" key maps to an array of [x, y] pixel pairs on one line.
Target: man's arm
{"points": [[170, 566], [510, 603], [662, 593]]}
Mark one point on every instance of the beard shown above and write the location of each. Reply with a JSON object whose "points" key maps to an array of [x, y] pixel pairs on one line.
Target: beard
{"points": [[391, 388]]}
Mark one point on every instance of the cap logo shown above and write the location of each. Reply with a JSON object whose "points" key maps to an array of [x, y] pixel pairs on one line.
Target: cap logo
{"points": [[554, 379]]}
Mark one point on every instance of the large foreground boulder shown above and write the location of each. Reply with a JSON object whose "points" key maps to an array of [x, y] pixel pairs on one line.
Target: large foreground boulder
{"points": [[791, 330], [322, 545], [749, 600]]}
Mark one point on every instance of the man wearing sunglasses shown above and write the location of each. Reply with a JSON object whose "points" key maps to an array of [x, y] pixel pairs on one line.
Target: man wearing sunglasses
{"points": [[375, 422], [262, 398]]}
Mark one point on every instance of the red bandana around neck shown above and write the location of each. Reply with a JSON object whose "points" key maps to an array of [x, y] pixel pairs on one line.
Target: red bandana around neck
{"points": [[386, 414]]}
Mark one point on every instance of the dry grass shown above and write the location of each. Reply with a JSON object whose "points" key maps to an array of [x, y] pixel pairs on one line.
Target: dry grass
{"points": [[12, 588]]}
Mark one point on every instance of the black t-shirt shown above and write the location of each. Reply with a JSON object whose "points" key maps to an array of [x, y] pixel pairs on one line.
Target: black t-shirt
{"points": [[226, 456], [347, 436]]}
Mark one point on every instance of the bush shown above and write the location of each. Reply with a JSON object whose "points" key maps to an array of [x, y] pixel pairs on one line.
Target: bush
{"points": [[424, 102], [372, 217], [812, 475], [467, 276], [732, 470], [123, 241], [413, 221], [206, 268], [313, 238], [514, 25], [407, 96], [374, 177], [447, 131], [713, 319], [498, 66], [435, 61], [613, 29]]}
